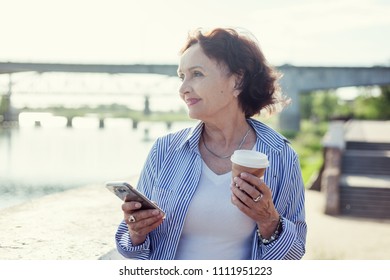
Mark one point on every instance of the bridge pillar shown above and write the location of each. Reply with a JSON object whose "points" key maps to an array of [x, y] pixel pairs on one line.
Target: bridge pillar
{"points": [[135, 124], [101, 122], [69, 121], [6, 106], [289, 119]]}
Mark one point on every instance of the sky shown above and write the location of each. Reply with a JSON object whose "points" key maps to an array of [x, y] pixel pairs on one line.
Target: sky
{"points": [[299, 32]]}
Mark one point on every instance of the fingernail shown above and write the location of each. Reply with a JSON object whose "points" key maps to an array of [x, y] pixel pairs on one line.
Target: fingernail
{"points": [[138, 205], [155, 212]]}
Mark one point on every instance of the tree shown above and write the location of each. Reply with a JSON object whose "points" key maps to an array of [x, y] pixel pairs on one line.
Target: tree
{"points": [[373, 106], [306, 104], [319, 105]]}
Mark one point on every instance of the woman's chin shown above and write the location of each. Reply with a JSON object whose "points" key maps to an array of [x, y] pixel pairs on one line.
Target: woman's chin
{"points": [[194, 115]]}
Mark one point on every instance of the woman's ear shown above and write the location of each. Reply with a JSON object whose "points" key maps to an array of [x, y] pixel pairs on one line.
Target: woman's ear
{"points": [[237, 84], [238, 80]]}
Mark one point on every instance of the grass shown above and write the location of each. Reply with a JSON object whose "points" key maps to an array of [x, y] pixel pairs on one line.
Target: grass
{"points": [[307, 144]]}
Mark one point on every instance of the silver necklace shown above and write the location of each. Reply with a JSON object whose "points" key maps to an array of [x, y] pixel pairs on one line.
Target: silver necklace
{"points": [[228, 156]]}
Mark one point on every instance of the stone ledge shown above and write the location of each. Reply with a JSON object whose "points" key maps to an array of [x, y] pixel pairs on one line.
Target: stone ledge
{"points": [[80, 224], [77, 224]]}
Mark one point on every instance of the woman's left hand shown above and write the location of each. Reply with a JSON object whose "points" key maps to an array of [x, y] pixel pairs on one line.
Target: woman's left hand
{"points": [[254, 198]]}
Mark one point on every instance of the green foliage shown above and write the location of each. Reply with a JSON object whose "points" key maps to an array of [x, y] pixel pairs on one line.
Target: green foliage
{"points": [[325, 105], [4, 104], [318, 105], [307, 143], [371, 106], [306, 105], [113, 111], [4, 107]]}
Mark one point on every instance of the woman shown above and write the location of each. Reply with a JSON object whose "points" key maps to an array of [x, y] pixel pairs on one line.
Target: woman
{"points": [[225, 81]]}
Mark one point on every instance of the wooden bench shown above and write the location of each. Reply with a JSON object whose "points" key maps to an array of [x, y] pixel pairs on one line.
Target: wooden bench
{"points": [[357, 179], [365, 180]]}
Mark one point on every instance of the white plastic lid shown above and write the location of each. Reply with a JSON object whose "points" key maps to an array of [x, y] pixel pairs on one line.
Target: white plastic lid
{"points": [[250, 159]]}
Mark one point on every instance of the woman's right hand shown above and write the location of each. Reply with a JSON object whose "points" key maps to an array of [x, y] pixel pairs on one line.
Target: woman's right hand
{"points": [[140, 222]]}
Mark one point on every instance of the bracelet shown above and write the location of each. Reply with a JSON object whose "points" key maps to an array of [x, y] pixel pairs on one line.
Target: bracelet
{"points": [[274, 236]]}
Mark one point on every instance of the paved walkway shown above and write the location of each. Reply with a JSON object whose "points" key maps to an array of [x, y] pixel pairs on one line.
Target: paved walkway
{"points": [[369, 131], [344, 238], [80, 224]]}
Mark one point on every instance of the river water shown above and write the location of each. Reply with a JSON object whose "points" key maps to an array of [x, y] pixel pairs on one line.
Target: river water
{"points": [[35, 161]]}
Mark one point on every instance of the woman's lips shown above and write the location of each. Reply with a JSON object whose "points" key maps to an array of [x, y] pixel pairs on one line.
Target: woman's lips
{"points": [[192, 101]]}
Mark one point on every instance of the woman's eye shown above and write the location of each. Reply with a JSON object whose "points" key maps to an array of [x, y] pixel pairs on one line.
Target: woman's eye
{"points": [[194, 74], [197, 74]]}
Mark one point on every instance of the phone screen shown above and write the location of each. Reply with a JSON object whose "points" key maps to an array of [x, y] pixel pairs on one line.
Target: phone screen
{"points": [[123, 190]]}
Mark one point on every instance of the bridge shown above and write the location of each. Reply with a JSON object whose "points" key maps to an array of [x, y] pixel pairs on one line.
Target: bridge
{"points": [[296, 80]]}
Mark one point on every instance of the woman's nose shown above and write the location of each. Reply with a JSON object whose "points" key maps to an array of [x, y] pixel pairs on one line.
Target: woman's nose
{"points": [[184, 88]]}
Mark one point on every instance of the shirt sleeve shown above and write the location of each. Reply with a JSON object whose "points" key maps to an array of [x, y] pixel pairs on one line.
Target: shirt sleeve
{"points": [[291, 195], [126, 248], [122, 236]]}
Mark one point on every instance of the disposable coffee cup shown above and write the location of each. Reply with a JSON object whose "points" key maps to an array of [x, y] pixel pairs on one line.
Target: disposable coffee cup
{"points": [[249, 161]]}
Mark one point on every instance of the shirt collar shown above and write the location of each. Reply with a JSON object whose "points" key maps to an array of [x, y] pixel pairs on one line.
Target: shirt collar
{"points": [[267, 136], [193, 136], [264, 134]]}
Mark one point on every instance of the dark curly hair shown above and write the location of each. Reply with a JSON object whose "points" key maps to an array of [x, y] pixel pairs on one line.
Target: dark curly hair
{"points": [[242, 55]]}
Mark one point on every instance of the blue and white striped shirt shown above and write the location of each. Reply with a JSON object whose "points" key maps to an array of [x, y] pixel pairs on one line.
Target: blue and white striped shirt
{"points": [[171, 175]]}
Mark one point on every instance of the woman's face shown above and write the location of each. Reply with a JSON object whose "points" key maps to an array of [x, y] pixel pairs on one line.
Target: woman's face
{"points": [[207, 87]]}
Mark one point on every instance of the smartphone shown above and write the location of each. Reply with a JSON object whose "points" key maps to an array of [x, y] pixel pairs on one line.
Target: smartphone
{"points": [[123, 189]]}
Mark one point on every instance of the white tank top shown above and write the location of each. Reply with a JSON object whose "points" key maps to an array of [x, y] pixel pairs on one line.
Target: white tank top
{"points": [[215, 228]]}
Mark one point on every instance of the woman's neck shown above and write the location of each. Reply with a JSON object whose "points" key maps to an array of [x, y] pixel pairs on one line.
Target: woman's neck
{"points": [[226, 134]]}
